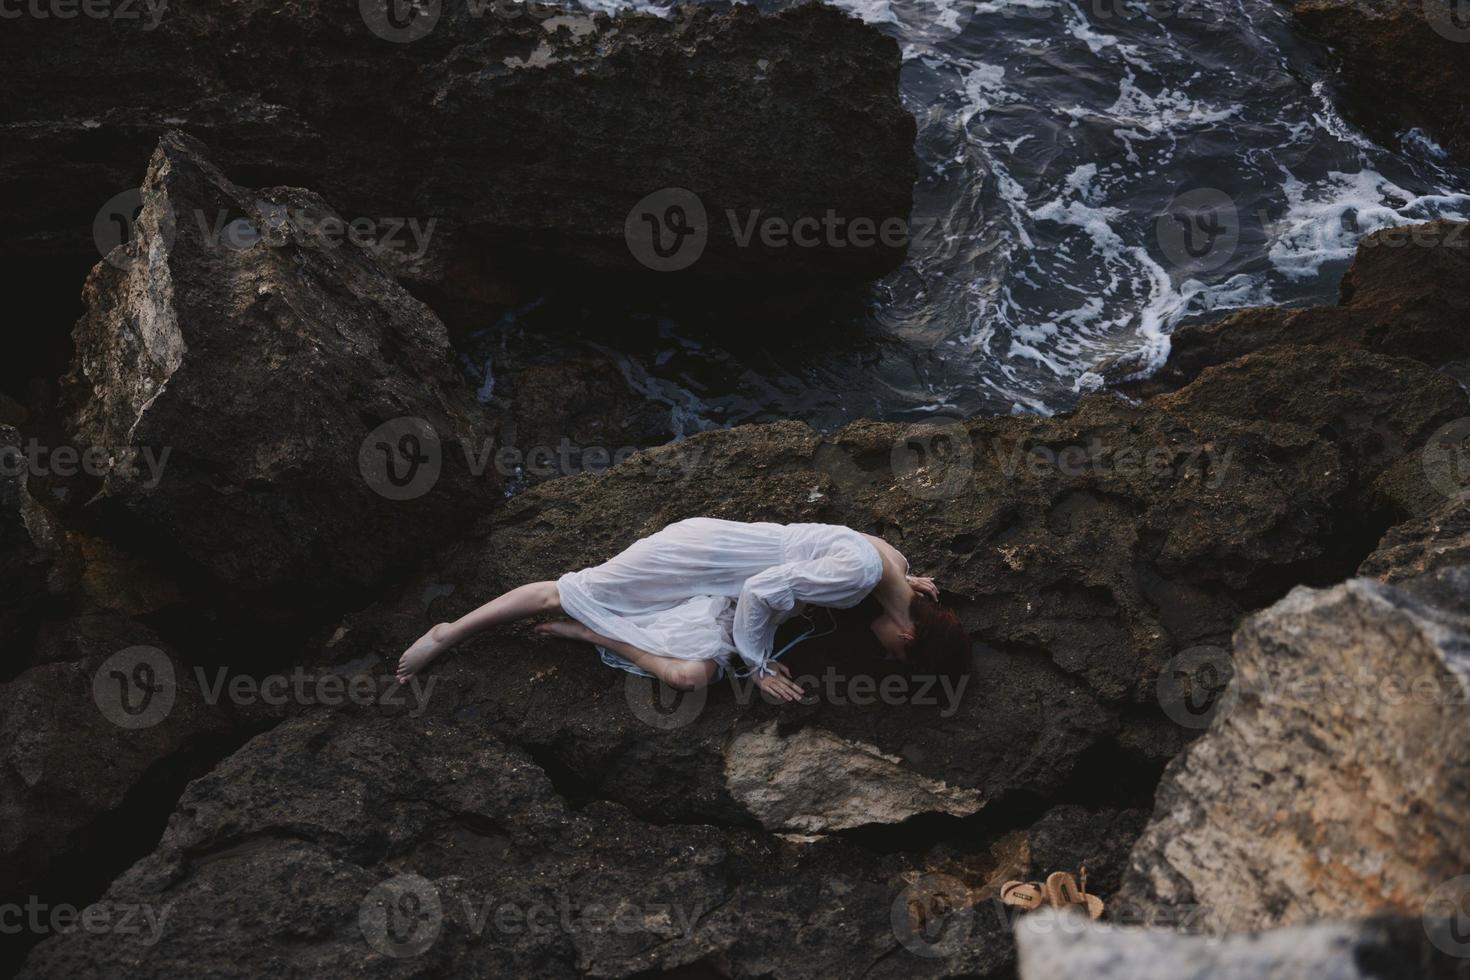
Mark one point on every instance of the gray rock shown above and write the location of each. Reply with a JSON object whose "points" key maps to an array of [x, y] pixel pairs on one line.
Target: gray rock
{"points": [[1062, 946], [1337, 784], [258, 383]]}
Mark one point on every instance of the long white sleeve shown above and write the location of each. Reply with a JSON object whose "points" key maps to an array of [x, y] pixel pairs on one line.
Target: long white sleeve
{"points": [[839, 580]]}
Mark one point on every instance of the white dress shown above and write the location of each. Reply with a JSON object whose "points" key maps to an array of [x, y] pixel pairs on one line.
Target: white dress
{"points": [[708, 589]]}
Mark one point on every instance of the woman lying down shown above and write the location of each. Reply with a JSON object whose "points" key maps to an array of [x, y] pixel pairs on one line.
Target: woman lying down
{"points": [[704, 595]]}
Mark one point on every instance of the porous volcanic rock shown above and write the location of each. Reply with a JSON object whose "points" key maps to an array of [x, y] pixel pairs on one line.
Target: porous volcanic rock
{"points": [[526, 133], [1439, 539], [337, 845], [1080, 586], [237, 363], [78, 737], [1396, 299], [1381, 410], [29, 544], [1403, 64], [1336, 782]]}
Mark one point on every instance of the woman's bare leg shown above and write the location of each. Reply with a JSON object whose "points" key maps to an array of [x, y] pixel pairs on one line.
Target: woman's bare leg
{"points": [[683, 675], [535, 599]]}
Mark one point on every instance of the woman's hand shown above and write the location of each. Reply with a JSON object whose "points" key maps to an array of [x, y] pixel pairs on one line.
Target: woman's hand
{"points": [[924, 586], [780, 685]]}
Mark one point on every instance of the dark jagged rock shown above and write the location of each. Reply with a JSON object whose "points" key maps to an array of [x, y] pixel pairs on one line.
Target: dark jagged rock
{"points": [[372, 819], [1380, 410], [1031, 553], [1068, 838], [1333, 784], [1393, 301], [237, 363], [30, 542], [526, 133], [1403, 64], [1439, 539], [571, 417], [1043, 565], [1055, 946], [80, 736]]}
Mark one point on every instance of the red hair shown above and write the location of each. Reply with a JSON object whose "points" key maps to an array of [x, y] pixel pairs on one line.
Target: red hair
{"points": [[940, 644]]}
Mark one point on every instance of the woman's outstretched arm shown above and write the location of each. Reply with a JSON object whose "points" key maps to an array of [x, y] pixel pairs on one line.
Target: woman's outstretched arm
{"points": [[535, 599]]}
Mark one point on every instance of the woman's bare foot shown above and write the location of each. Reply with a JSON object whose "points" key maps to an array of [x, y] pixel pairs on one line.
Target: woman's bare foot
{"points": [[566, 629], [423, 651]]}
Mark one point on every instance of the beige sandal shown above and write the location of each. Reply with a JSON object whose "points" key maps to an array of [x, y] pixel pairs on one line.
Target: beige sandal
{"points": [[1062, 890], [1022, 894]]}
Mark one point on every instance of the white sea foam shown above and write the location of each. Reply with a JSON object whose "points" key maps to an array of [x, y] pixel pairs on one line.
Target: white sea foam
{"points": [[1325, 219]]}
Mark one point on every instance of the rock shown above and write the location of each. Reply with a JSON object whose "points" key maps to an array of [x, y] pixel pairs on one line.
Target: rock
{"points": [[1379, 409], [1403, 65], [259, 387], [1438, 540], [371, 818], [85, 743], [1070, 837], [574, 416], [1080, 582], [30, 542], [1393, 301], [814, 782], [1060, 946], [525, 133], [1335, 784]]}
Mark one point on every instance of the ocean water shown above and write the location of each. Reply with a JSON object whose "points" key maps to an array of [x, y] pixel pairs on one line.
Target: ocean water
{"points": [[1091, 173]]}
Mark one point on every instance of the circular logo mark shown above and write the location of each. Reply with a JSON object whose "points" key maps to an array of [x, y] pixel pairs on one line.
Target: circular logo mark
{"points": [[401, 459], [116, 224], [240, 235], [1197, 686], [136, 687], [1446, 459], [1450, 19], [1447, 916], [934, 459], [934, 916], [667, 230], [1200, 231], [660, 706], [400, 21], [401, 917]]}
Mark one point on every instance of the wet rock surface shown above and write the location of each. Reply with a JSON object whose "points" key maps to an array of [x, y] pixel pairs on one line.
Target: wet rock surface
{"points": [[1392, 302], [1403, 65], [525, 133]]}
